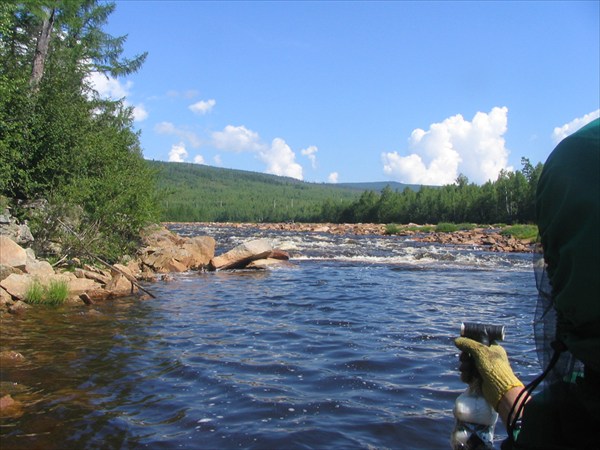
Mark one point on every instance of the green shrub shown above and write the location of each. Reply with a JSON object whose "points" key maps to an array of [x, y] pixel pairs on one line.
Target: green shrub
{"points": [[53, 294], [57, 292], [525, 232], [446, 227], [466, 226], [392, 228], [34, 293]]}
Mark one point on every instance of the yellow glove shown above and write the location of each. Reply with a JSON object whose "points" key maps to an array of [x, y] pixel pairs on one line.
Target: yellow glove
{"points": [[497, 377]]}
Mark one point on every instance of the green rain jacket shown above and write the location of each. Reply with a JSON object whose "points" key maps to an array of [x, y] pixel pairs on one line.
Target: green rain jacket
{"points": [[567, 415]]}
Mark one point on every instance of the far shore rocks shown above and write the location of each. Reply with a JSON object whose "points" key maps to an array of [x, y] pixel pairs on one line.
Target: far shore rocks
{"points": [[488, 239]]}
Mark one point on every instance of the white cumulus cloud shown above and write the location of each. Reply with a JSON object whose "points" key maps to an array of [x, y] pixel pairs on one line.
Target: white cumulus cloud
{"points": [[280, 160], [203, 106], [562, 132], [112, 88], [333, 177], [237, 139], [218, 160], [181, 133], [178, 153], [311, 154], [140, 113], [107, 86], [198, 159], [451, 147]]}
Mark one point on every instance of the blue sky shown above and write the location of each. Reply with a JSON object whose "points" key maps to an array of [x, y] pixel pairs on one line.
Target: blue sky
{"points": [[415, 92]]}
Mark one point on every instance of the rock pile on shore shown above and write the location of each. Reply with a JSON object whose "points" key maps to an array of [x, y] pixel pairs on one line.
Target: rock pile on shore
{"points": [[162, 252]]}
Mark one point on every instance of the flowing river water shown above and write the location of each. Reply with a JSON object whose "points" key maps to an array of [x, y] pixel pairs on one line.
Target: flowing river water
{"points": [[350, 347]]}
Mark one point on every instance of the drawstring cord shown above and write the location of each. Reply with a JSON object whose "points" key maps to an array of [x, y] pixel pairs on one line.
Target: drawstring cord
{"points": [[525, 394]]}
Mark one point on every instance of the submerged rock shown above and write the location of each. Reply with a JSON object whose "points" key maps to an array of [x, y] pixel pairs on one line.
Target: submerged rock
{"points": [[9, 407]]}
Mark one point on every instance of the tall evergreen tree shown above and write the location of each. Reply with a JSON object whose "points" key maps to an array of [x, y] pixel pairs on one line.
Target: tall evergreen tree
{"points": [[58, 139]]}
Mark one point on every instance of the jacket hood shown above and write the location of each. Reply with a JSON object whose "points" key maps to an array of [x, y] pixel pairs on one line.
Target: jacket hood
{"points": [[568, 217]]}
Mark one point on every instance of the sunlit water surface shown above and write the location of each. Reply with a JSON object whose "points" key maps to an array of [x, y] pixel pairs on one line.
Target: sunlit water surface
{"points": [[349, 348]]}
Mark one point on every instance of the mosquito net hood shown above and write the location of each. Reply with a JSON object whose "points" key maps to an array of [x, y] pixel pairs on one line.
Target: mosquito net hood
{"points": [[568, 216]]}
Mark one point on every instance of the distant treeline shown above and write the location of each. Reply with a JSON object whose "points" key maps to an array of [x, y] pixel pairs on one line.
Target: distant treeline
{"points": [[194, 193], [510, 199]]}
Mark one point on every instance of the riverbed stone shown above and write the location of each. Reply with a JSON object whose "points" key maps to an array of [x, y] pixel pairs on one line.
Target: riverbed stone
{"points": [[10, 358], [5, 297], [9, 407], [5, 271], [18, 307]]}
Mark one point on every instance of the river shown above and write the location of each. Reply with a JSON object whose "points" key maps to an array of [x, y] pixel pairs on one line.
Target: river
{"points": [[350, 347]]}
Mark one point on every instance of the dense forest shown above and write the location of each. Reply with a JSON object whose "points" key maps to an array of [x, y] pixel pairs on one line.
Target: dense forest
{"points": [[509, 199], [198, 193], [191, 192], [62, 146]]}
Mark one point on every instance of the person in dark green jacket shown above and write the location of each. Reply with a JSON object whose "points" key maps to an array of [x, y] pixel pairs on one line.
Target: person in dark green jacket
{"points": [[565, 414]]}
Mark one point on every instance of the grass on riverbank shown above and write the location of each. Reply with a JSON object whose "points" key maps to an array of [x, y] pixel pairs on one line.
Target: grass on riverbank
{"points": [[54, 294], [522, 232]]}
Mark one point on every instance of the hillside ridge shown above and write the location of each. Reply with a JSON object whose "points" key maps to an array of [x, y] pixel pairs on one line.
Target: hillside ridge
{"points": [[195, 193]]}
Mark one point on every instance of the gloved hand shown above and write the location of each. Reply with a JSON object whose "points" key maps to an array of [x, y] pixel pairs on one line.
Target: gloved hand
{"points": [[492, 366]]}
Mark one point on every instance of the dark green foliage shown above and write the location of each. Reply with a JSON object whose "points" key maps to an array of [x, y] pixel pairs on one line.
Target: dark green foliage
{"points": [[510, 199], [193, 192], [198, 193], [521, 232], [58, 140]]}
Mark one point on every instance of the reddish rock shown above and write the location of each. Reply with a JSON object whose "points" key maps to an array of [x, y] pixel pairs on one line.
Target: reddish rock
{"points": [[10, 357], [165, 251], [10, 407], [11, 253], [38, 268]]}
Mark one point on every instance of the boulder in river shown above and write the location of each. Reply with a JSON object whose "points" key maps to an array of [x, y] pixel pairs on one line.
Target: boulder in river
{"points": [[165, 251], [242, 255]]}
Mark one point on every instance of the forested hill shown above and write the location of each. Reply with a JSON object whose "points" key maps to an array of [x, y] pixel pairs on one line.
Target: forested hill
{"points": [[193, 192]]}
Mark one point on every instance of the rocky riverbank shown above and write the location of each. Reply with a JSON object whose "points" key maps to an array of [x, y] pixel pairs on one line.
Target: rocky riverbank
{"points": [[163, 252]]}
